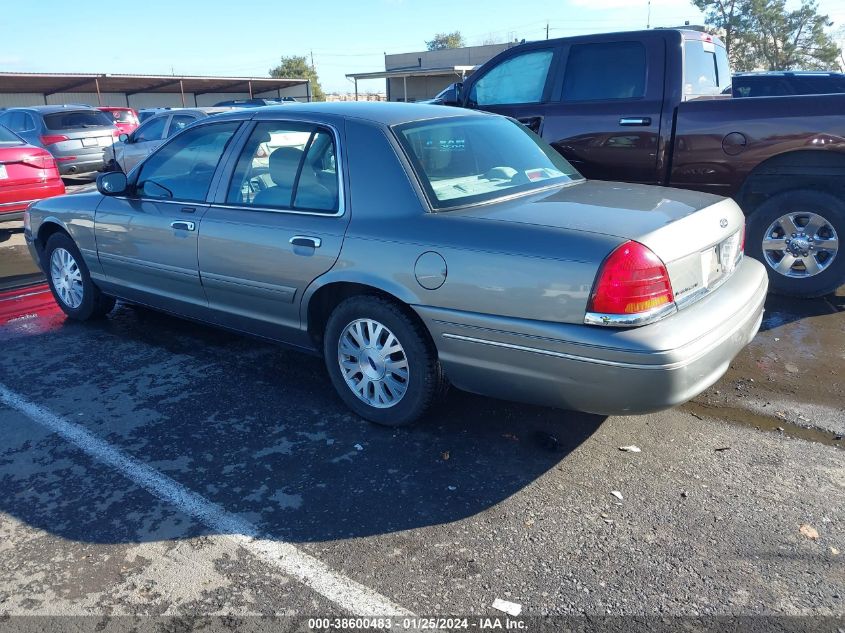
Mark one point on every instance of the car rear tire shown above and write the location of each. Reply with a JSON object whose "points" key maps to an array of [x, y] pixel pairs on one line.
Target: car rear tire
{"points": [[70, 281], [381, 361], [798, 237]]}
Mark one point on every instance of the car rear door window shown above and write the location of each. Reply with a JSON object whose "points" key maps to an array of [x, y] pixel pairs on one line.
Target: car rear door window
{"points": [[16, 121], [519, 79], [179, 122], [152, 130], [76, 120], [598, 72], [287, 165], [183, 169]]}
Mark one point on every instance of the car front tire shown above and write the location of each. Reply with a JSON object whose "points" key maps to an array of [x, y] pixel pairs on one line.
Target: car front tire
{"points": [[70, 281], [798, 236], [381, 361]]}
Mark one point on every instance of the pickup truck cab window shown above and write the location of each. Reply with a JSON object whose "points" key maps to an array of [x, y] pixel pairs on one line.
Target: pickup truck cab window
{"points": [[611, 70], [706, 69], [519, 79], [183, 169]]}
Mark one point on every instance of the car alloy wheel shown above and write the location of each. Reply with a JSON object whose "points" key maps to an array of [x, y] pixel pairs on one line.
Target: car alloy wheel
{"points": [[373, 363], [67, 278], [800, 244]]}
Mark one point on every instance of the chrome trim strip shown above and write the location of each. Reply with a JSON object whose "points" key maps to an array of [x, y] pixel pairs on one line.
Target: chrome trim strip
{"points": [[148, 266], [563, 355], [630, 320], [269, 210], [3, 205]]}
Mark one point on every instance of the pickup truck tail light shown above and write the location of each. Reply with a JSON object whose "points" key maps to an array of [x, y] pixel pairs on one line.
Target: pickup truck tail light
{"points": [[51, 139], [632, 288]]}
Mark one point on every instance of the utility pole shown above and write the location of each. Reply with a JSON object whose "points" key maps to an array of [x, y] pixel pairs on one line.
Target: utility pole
{"points": [[547, 29], [648, 19], [312, 52]]}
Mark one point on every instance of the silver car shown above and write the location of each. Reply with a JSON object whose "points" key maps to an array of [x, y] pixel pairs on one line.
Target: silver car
{"points": [[130, 149], [76, 135], [415, 245]]}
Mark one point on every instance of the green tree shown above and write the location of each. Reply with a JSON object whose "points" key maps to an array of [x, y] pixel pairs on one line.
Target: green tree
{"points": [[446, 40], [764, 34], [297, 67]]}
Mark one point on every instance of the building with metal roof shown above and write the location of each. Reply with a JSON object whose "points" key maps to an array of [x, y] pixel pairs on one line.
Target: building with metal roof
{"points": [[421, 75]]}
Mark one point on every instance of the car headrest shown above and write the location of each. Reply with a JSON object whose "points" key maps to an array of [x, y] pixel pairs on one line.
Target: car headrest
{"points": [[284, 162]]}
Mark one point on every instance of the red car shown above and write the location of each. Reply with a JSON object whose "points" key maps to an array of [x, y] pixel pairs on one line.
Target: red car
{"points": [[125, 119], [27, 174]]}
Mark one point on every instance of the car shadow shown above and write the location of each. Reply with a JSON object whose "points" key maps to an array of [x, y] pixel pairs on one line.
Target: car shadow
{"points": [[781, 310], [257, 430]]}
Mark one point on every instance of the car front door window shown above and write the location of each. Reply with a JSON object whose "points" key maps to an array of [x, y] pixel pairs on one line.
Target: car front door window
{"points": [[519, 79], [151, 131], [183, 169]]}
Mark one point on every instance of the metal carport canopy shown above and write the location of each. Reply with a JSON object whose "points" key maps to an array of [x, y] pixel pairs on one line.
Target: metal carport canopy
{"points": [[49, 83]]}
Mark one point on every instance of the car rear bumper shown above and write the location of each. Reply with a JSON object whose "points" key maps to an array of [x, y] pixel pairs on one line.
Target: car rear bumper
{"points": [[15, 200], [602, 370], [80, 164]]}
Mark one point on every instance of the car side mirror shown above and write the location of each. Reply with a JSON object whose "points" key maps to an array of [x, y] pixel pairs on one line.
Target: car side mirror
{"points": [[452, 95], [112, 183], [123, 138]]}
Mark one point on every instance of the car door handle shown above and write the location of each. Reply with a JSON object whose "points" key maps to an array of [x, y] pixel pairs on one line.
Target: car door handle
{"points": [[182, 225], [304, 240], [635, 120]]}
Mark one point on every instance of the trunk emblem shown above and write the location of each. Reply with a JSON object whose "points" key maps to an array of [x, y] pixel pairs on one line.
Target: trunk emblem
{"points": [[723, 223]]}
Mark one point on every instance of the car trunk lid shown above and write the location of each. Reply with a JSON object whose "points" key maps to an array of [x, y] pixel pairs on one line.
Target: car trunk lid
{"points": [[25, 165], [697, 236]]}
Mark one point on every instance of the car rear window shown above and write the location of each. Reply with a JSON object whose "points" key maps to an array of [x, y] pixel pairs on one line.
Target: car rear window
{"points": [[122, 116], [7, 137], [464, 161], [76, 119]]}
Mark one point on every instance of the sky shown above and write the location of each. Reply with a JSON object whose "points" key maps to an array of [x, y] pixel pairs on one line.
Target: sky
{"points": [[222, 37]]}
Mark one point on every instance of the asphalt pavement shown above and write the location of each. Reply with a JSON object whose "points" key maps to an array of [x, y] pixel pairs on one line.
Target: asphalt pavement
{"points": [[152, 466]]}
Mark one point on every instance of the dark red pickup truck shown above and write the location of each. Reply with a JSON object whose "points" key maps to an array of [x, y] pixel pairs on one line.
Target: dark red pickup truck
{"points": [[647, 106]]}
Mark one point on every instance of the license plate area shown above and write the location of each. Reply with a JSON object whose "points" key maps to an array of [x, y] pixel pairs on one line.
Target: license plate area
{"points": [[719, 261], [90, 142]]}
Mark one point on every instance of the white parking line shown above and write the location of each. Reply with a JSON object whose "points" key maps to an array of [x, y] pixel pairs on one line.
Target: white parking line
{"points": [[344, 592]]}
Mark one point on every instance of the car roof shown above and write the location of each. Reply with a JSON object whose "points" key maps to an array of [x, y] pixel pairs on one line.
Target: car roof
{"points": [[49, 109], [383, 112]]}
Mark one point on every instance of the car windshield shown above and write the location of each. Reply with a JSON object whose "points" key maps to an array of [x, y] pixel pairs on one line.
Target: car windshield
{"points": [[7, 137], [468, 160], [77, 119]]}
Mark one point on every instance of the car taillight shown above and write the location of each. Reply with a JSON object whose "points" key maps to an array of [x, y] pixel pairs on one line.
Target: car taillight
{"points": [[39, 161], [632, 285], [50, 139]]}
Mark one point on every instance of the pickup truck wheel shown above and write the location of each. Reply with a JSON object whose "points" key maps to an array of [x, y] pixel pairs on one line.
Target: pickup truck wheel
{"points": [[381, 361], [70, 281], [797, 235]]}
